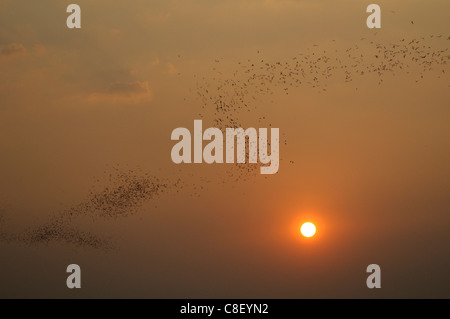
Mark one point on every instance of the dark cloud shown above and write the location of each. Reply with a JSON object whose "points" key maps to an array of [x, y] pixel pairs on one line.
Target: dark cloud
{"points": [[129, 88], [12, 50]]}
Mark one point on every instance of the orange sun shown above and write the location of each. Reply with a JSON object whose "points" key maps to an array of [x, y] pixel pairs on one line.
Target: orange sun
{"points": [[308, 229]]}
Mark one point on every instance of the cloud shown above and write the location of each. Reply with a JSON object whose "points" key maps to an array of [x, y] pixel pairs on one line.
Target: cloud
{"points": [[171, 68], [127, 92], [156, 61], [12, 50]]}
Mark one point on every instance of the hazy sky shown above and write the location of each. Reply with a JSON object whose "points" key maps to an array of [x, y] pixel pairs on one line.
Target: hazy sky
{"points": [[366, 161]]}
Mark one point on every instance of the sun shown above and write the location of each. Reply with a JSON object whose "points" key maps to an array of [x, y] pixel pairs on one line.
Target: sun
{"points": [[308, 229]]}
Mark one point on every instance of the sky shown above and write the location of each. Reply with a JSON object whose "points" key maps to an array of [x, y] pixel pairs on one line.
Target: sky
{"points": [[86, 117]]}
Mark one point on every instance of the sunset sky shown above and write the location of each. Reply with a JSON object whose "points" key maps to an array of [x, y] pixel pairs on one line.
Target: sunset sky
{"points": [[86, 112]]}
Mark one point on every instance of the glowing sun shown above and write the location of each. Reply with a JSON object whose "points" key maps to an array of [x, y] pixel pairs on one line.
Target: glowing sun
{"points": [[308, 229]]}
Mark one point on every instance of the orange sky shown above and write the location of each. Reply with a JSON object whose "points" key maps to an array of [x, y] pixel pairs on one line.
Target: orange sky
{"points": [[367, 162]]}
